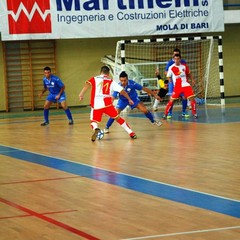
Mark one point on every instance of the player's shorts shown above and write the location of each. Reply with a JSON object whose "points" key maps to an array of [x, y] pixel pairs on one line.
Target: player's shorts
{"points": [[96, 114], [122, 104], [162, 92], [186, 91], [52, 98]]}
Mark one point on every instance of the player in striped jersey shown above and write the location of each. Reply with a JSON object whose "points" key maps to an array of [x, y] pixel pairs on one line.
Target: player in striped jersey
{"points": [[101, 101]]}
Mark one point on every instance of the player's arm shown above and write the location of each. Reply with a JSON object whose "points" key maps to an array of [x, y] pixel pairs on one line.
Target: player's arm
{"points": [[125, 94], [157, 74], [84, 89], [42, 92], [60, 92], [149, 92], [189, 76]]}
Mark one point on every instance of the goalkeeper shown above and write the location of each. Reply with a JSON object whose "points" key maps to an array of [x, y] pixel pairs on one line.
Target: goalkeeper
{"points": [[163, 84]]}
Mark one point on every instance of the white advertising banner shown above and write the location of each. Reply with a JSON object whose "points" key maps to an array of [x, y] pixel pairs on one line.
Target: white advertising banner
{"points": [[56, 19]]}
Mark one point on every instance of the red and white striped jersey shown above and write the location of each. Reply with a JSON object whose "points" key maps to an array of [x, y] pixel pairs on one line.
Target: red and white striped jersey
{"points": [[179, 75], [102, 88]]}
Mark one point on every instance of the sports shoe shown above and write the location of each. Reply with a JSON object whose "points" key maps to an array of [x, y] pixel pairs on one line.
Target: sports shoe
{"points": [[164, 117], [94, 136], [158, 123], [155, 109], [185, 115], [106, 130], [195, 116], [44, 123], [169, 116], [133, 135], [70, 122]]}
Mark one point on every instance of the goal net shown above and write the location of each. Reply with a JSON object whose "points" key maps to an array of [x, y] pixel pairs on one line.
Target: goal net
{"points": [[141, 58]]}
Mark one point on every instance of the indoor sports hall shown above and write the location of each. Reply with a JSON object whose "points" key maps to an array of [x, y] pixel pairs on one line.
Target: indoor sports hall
{"points": [[177, 181]]}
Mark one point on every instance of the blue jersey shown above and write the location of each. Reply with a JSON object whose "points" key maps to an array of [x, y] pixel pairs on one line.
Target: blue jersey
{"points": [[54, 84], [130, 89]]}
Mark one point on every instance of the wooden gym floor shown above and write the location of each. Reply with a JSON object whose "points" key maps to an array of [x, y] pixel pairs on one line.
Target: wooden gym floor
{"points": [[179, 181]]}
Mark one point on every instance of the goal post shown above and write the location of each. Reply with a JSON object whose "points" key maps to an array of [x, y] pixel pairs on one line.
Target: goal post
{"points": [[141, 57]]}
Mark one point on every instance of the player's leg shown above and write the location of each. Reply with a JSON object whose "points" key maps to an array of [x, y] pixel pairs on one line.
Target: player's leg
{"points": [[156, 101], [175, 95], [67, 111], [46, 107], [112, 112], [184, 107], [168, 107], [169, 115], [140, 106], [155, 105], [121, 105], [95, 118], [189, 94], [193, 105], [110, 122]]}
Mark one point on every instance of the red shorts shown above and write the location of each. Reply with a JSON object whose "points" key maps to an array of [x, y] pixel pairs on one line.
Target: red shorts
{"points": [[96, 114], [186, 91]]}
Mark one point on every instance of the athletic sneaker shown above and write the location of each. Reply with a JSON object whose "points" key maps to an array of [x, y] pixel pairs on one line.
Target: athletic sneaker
{"points": [[169, 116], [106, 130], [155, 109], [158, 123], [195, 116], [133, 135], [94, 136], [44, 123], [164, 117], [185, 115], [70, 122]]}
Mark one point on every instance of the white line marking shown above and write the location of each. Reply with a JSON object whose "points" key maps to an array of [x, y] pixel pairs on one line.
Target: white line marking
{"points": [[183, 233]]}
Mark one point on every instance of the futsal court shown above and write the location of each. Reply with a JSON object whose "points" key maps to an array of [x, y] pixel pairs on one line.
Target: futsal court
{"points": [[179, 181]]}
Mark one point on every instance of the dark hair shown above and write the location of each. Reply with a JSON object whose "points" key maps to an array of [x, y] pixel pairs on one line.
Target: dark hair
{"points": [[166, 81], [123, 75], [177, 50], [47, 69], [177, 55], [105, 70]]}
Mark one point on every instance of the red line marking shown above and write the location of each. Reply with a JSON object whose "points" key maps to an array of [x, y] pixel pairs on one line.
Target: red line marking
{"points": [[63, 211], [50, 220], [40, 180], [47, 213], [19, 216]]}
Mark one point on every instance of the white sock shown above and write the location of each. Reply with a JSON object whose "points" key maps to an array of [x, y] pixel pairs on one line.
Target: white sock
{"points": [[156, 102], [94, 125]]}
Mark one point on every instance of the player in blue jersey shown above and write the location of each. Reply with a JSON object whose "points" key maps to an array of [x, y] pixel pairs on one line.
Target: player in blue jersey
{"points": [[131, 88], [170, 85], [56, 94]]}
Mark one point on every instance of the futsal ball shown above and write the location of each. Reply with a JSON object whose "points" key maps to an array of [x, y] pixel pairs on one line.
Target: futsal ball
{"points": [[100, 135]]}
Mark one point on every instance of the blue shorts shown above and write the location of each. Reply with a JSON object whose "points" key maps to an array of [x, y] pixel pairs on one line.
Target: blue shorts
{"points": [[121, 104], [51, 98]]}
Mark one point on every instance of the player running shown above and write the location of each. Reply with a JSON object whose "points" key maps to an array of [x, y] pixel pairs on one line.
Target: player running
{"points": [[101, 101], [130, 87]]}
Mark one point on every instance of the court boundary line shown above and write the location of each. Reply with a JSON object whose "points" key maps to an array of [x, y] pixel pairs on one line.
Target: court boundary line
{"points": [[48, 219], [115, 172], [182, 233], [177, 194]]}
